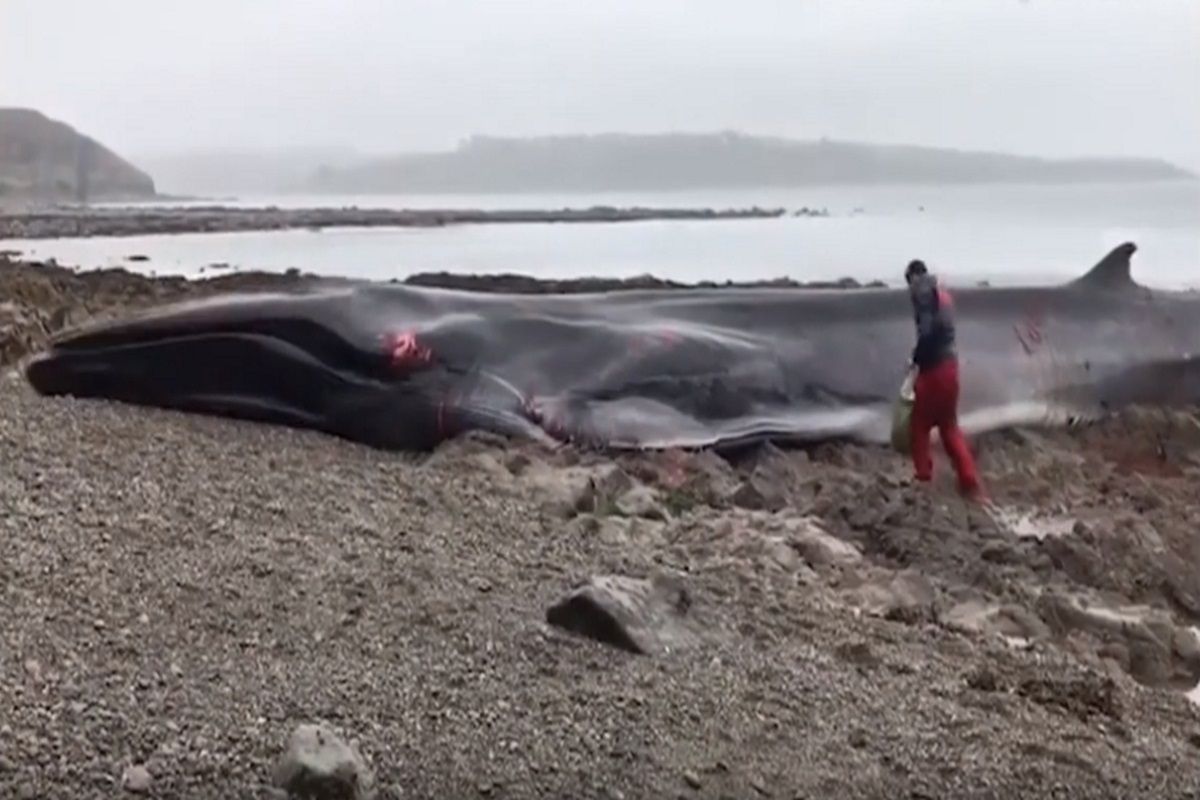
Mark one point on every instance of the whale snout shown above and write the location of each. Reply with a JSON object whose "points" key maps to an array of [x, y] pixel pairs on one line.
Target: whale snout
{"points": [[41, 373], [61, 373]]}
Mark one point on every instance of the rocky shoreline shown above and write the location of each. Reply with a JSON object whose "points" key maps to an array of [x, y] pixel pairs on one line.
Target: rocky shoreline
{"points": [[505, 283], [190, 602], [68, 222]]}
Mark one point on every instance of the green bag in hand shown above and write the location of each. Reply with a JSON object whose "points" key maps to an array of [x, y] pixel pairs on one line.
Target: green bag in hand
{"points": [[902, 415]]}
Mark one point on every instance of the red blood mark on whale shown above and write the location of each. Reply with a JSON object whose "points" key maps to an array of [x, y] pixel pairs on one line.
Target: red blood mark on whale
{"points": [[405, 351], [665, 338], [1029, 334]]}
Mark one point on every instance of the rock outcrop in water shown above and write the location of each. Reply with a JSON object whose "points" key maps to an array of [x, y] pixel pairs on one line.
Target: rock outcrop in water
{"points": [[42, 159], [71, 222]]}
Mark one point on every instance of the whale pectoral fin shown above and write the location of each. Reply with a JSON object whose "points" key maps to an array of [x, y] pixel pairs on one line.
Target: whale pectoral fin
{"points": [[1113, 272]]}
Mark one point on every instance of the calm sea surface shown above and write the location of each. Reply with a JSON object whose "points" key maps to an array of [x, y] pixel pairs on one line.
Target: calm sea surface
{"points": [[1003, 234]]}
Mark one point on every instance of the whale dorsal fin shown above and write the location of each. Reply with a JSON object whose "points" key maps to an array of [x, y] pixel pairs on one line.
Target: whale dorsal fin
{"points": [[1113, 271]]}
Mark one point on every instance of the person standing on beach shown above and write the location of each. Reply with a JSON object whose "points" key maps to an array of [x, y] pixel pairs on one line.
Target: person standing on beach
{"points": [[936, 389]]}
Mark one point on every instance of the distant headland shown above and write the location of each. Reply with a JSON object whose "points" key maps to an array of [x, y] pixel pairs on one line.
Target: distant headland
{"points": [[622, 162], [42, 159]]}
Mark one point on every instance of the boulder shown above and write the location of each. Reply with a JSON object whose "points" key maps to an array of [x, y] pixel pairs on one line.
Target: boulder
{"points": [[1180, 584], [641, 501], [757, 495], [639, 615], [1160, 652], [1081, 562], [818, 547], [136, 779], [1009, 621], [320, 764], [625, 532], [770, 475], [577, 489], [906, 596]]}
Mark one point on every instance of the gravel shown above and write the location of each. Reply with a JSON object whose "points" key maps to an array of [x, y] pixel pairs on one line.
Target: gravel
{"points": [[180, 593]]}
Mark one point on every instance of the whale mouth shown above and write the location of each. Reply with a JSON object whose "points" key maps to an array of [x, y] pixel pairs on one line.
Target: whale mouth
{"points": [[286, 371]]}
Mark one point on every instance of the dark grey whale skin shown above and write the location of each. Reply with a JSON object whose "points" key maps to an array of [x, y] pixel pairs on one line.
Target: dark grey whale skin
{"points": [[636, 369]]}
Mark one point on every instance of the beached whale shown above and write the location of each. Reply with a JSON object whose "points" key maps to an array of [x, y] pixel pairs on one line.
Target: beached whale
{"points": [[403, 367]]}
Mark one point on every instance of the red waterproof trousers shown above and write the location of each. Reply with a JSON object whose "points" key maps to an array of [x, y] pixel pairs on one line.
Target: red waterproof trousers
{"points": [[935, 404]]}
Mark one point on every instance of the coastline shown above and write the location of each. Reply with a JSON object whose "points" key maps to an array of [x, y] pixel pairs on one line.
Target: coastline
{"points": [[139, 220]]}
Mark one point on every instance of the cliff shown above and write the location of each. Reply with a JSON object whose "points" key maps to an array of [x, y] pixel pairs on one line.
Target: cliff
{"points": [[46, 160]]}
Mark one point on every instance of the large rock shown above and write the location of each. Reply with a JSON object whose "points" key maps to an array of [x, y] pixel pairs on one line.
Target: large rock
{"points": [[634, 614], [641, 501], [20, 331], [757, 494], [1012, 622], [578, 489], [770, 474], [621, 533], [745, 542], [906, 596], [1156, 650], [818, 547], [1080, 561], [1179, 582], [321, 765], [137, 779]]}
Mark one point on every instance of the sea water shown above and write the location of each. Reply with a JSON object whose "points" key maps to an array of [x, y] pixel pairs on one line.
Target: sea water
{"points": [[1002, 234]]}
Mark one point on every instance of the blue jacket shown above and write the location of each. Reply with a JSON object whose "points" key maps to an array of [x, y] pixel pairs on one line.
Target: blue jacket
{"points": [[933, 309]]}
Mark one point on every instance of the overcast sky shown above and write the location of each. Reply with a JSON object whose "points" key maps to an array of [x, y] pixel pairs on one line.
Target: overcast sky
{"points": [[1053, 77]]}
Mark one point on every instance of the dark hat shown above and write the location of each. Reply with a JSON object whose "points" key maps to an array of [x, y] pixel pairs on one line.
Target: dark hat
{"points": [[914, 268]]}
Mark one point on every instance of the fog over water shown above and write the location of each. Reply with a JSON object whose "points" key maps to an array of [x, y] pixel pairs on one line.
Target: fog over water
{"points": [[1061, 78], [1002, 234]]}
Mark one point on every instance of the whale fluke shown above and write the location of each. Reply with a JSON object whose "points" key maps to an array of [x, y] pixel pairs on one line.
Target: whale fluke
{"points": [[1113, 271]]}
